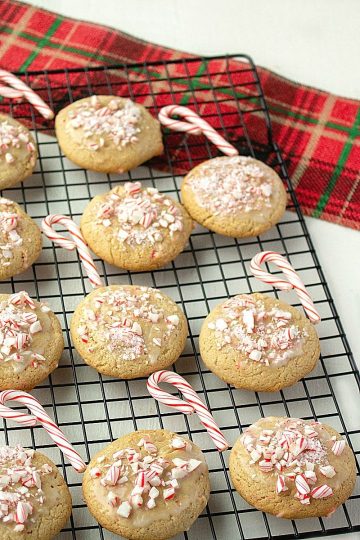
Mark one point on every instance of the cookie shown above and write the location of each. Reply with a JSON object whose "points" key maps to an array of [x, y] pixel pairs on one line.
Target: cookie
{"points": [[31, 341], [146, 485], [136, 229], [259, 343], [234, 196], [108, 133], [20, 240], [17, 152], [292, 468], [127, 331], [35, 501]]}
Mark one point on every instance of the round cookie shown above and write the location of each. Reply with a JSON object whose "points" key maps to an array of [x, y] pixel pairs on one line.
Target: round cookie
{"points": [[136, 229], [259, 343], [127, 331], [17, 152], [35, 501], [292, 468], [148, 484], [31, 342], [20, 240], [234, 196], [108, 133]]}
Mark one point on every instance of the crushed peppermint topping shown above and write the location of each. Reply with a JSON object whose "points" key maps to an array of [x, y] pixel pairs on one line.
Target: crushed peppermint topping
{"points": [[268, 336], [116, 121], [296, 452], [18, 325], [21, 491], [14, 138], [128, 320], [140, 215], [137, 478], [230, 185], [9, 235]]}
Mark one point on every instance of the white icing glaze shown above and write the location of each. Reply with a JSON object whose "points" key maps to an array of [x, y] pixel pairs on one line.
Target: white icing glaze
{"points": [[19, 326], [128, 320], [140, 215], [296, 454], [267, 336], [135, 481], [21, 494], [93, 124], [231, 185]]}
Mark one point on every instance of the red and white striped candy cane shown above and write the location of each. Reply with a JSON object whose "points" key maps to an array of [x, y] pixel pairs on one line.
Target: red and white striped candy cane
{"points": [[19, 86], [195, 125], [293, 280], [8, 92], [39, 415], [77, 242], [192, 404]]}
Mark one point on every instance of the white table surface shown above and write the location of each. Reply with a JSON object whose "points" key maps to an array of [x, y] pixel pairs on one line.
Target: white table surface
{"points": [[312, 42]]}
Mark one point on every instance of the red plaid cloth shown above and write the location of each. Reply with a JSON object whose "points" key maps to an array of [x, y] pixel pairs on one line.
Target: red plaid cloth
{"points": [[318, 132]]}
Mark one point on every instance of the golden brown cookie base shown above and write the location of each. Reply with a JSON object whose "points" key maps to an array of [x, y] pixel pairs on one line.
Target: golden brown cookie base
{"points": [[261, 493], [256, 376], [136, 258], [108, 362], [53, 343], [111, 158], [240, 225], [54, 513], [24, 164], [29, 251], [161, 529]]}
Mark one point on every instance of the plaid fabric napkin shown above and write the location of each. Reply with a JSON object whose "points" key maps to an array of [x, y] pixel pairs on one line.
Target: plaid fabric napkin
{"points": [[318, 132]]}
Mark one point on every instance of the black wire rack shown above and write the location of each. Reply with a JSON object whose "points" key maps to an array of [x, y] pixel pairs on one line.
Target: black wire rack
{"points": [[93, 409]]}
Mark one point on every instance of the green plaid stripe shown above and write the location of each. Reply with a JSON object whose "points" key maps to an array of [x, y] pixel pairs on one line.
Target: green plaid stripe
{"points": [[338, 169], [41, 43]]}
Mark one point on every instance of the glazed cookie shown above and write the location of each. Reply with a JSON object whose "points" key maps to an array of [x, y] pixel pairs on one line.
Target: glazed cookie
{"points": [[136, 229], [292, 468], [20, 240], [108, 133], [127, 331], [31, 342], [256, 342], [146, 485], [234, 196], [17, 152], [35, 501]]}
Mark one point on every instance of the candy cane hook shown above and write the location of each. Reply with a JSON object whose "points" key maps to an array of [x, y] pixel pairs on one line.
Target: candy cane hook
{"points": [[293, 280], [192, 404], [195, 125], [25, 91], [39, 415], [77, 242]]}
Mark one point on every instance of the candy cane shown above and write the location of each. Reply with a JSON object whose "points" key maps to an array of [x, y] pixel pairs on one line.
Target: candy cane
{"points": [[195, 125], [39, 415], [29, 94], [78, 243], [293, 280], [8, 92], [192, 404]]}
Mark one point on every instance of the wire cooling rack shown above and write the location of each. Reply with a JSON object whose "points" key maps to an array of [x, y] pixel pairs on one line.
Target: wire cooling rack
{"points": [[92, 409]]}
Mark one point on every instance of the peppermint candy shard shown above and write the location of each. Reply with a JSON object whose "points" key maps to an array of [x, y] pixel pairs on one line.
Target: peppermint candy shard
{"points": [[301, 485], [327, 470], [280, 484], [124, 509], [338, 447], [321, 492]]}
